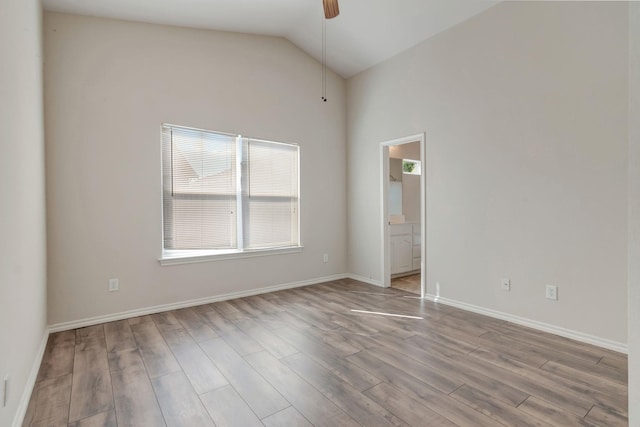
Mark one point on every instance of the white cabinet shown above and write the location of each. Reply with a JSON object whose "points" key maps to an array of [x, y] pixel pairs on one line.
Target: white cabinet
{"points": [[405, 248], [401, 259], [417, 252]]}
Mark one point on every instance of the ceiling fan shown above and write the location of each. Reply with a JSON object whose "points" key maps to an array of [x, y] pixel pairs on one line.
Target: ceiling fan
{"points": [[331, 9]]}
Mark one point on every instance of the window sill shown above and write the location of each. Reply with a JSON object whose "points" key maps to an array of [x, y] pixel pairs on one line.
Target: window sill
{"points": [[190, 257]]}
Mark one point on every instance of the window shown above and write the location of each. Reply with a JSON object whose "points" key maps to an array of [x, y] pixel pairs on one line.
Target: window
{"points": [[411, 167], [225, 194]]}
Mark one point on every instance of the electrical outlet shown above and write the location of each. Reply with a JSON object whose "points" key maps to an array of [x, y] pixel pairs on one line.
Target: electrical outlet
{"points": [[325, 258], [4, 391], [505, 284], [551, 292], [114, 285]]}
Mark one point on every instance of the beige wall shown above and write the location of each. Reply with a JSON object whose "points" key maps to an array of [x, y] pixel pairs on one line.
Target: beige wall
{"points": [[22, 218], [525, 112], [108, 87], [634, 213]]}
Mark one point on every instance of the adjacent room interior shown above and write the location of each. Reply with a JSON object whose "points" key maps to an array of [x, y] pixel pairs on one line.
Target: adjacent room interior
{"points": [[484, 271]]}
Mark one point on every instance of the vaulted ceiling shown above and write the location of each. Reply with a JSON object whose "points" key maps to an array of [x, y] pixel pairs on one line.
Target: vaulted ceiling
{"points": [[365, 33]]}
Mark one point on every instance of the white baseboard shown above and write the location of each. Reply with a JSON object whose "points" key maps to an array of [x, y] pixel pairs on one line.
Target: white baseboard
{"points": [[74, 324], [534, 324], [365, 280], [21, 411]]}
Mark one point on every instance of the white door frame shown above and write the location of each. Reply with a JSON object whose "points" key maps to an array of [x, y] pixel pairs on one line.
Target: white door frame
{"points": [[384, 198]]}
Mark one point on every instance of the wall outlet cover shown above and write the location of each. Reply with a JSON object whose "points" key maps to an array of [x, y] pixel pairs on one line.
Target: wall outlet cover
{"points": [[114, 285], [551, 292], [505, 284]]}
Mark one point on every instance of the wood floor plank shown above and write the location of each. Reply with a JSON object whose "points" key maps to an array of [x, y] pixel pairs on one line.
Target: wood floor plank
{"points": [[91, 338], [139, 319], [459, 413], [606, 417], [560, 344], [435, 400], [338, 313], [496, 409], [52, 405], [439, 380], [104, 419], [203, 308], [308, 344], [615, 363], [544, 410], [445, 344], [577, 359], [135, 400], [392, 304], [614, 373], [274, 321], [227, 409], [261, 397], [315, 319], [575, 392], [527, 379], [58, 355], [333, 343], [166, 321], [291, 320], [237, 339], [432, 354], [360, 407], [463, 327], [268, 340], [260, 302], [392, 375], [229, 311], [312, 404], [410, 410], [587, 378], [179, 403], [154, 350], [339, 340], [517, 350], [460, 371], [288, 417], [386, 325], [199, 369], [195, 325], [243, 306], [118, 336], [91, 392]]}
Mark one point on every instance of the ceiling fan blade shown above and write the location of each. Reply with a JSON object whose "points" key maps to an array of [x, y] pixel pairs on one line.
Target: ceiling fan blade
{"points": [[331, 9]]}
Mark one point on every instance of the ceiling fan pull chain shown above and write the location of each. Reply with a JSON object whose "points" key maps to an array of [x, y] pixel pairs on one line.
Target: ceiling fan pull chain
{"points": [[330, 11], [324, 60]]}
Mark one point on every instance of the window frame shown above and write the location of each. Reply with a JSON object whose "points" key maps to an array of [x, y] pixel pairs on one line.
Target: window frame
{"points": [[187, 256]]}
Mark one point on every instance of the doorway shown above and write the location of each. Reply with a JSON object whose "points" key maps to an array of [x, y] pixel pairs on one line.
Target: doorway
{"points": [[403, 196]]}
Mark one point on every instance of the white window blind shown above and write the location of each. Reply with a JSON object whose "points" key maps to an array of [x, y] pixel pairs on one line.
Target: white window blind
{"points": [[227, 193], [270, 196]]}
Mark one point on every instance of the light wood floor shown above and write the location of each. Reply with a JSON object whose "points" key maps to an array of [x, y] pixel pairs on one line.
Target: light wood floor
{"points": [[302, 357], [409, 283]]}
